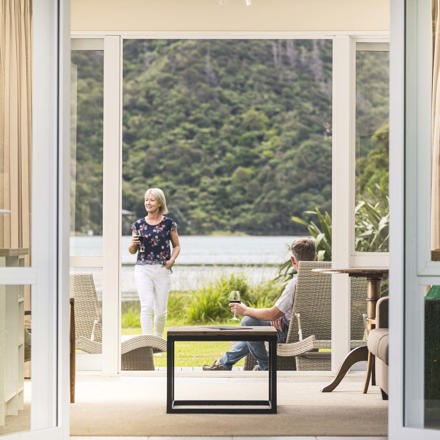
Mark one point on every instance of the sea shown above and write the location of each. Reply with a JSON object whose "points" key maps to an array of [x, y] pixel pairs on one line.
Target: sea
{"points": [[202, 260]]}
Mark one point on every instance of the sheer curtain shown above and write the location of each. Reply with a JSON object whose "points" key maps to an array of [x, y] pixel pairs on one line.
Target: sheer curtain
{"points": [[15, 124], [435, 191]]}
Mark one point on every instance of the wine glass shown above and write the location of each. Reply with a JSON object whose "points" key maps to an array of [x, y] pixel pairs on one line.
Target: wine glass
{"points": [[141, 241], [234, 297]]}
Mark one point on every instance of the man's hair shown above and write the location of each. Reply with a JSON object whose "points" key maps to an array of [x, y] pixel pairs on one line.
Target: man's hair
{"points": [[303, 249]]}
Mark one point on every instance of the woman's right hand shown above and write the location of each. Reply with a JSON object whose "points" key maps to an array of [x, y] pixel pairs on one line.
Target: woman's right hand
{"points": [[134, 244], [135, 240]]}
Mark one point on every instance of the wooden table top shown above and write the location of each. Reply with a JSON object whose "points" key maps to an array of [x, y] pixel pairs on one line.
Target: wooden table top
{"points": [[378, 272], [225, 330]]}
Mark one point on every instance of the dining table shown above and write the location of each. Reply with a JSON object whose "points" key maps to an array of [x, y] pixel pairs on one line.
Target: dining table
{"points": [[374, 277]]}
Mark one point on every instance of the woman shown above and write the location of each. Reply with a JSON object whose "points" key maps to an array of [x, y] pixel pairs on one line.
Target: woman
{"points": [[151, 237]]}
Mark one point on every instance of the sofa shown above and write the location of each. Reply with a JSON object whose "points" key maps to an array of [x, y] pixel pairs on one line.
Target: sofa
{"points": [[377, 342]]}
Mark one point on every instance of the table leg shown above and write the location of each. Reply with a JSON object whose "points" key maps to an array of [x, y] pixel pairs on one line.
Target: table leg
{"points": [[356, 355], [370, 366], [373, 294], [72, 351], [361, 353], [273, 374], [170, 374]]}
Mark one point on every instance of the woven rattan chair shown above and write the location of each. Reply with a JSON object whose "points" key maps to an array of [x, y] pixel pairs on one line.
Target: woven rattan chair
{"points": [[308, 341], [136, 352]]}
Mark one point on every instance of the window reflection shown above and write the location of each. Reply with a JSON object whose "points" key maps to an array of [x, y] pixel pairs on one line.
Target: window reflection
{"points": [[86, 289], [15, 134], [15, 358], [372, 149], [87, 151], [435, 172], [432, 357]]}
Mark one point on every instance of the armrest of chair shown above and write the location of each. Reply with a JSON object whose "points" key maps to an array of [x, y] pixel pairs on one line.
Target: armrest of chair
{"points": [[88, 346], [382, 312], [300, 347], [157, 343]]}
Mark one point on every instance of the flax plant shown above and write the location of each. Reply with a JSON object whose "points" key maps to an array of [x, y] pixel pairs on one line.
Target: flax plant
{"points": [[371, 223]]}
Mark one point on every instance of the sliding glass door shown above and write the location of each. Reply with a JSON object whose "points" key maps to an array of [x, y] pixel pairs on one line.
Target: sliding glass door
{"points": [[415, 269], [86, 187], [34, 313]]}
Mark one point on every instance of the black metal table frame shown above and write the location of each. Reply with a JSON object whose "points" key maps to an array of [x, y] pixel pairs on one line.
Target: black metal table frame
{"points": [[179, 406]]}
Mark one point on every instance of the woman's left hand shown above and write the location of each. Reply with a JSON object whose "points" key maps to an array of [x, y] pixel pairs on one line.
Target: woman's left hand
{"points": [[169, 264]]}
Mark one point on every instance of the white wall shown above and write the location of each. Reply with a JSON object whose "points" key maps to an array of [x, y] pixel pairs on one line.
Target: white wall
{"points": [[131, 16]]}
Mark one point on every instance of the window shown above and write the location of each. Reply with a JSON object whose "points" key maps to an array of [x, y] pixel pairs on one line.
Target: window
{"points": [[372, 148]]}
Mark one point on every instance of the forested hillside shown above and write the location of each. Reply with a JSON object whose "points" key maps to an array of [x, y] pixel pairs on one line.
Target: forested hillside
{"points": [[236, 132]]}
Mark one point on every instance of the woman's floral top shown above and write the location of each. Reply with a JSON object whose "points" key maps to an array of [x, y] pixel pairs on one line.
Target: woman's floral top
{"points": [[155, 240]]}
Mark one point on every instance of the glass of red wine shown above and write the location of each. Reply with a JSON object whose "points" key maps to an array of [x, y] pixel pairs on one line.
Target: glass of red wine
{"points": [[234, 297], [141, 241]]}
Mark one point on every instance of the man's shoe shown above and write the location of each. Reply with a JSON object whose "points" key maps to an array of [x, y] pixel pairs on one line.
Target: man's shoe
{"points": [[258, 368], [216, 366]]}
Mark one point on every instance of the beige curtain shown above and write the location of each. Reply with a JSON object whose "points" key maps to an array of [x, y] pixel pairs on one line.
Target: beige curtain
{"points": [[15, 123], [435, 191]]}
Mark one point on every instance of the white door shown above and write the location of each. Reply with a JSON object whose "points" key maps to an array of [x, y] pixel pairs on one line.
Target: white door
{"points": [[414, 409], [96, 112], [34, 299]]}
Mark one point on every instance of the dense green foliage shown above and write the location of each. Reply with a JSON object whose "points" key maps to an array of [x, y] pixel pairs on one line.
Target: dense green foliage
{"points": [[87, 141], [208, 304], [374, 167], [372, 219], [237, 132]]}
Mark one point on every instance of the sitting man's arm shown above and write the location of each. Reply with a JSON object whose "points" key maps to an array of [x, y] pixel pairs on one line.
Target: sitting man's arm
{"points": [[267, 314]]}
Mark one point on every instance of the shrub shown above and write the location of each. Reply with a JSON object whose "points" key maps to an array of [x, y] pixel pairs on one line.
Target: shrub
{"points": [[130, 314], [264, 294], [372, 221], [210, 304], [177, 306]]}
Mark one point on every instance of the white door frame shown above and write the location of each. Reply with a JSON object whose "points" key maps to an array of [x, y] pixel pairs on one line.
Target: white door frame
{"points": [[50, 207], [344, 53], [410, 265], [109, 361]]}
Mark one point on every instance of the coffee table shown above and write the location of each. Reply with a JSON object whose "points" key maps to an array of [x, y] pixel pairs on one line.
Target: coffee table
{"points": [[223, 333]]}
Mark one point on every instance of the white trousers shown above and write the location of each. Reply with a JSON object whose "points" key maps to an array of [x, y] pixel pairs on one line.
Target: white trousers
{"points": [[153, 285]]}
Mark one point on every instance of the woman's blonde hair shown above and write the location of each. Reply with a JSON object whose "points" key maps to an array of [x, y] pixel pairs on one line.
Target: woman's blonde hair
{"points": [[158, 194]]}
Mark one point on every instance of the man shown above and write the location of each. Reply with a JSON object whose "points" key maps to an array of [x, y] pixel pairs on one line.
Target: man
{"points": [[279, 315]]}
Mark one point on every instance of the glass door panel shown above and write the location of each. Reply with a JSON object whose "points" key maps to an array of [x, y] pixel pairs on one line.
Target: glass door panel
{"points": [[86, 195], [416, 367], [15, 358], [432, 357], [15, 216], [237, 133], [33, 391], [86, 152], [372, 148]]}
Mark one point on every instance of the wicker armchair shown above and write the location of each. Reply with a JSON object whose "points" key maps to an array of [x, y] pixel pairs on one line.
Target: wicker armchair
{"points": [[136, 352], [308, 341]]}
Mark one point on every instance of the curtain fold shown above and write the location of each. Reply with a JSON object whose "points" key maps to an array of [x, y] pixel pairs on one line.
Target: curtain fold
{"points": [[435, 117], [15, 123]]}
